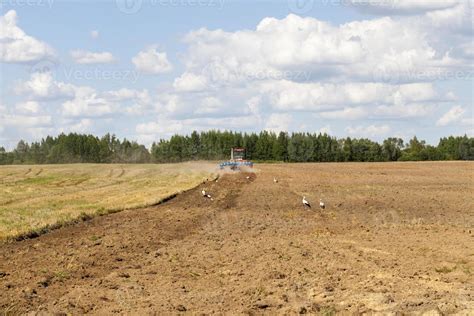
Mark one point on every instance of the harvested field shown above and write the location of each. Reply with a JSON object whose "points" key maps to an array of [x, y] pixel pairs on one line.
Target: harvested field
{"points": [[34, 197], [394, 237]]}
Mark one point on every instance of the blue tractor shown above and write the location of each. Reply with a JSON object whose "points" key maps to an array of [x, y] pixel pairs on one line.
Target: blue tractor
{"points": [[237, 159]]}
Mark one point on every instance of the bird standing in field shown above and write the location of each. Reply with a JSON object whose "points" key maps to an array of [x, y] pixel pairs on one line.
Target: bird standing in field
{"points": [[275, 180], [321, 204], [306, 203], [205, 194]]}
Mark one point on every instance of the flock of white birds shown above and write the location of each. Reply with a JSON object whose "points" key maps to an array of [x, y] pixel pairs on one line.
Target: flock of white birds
{"points": [[306, 203]]}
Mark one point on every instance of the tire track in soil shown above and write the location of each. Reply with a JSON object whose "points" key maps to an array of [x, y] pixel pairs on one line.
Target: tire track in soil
{"points": [[122, 172]]}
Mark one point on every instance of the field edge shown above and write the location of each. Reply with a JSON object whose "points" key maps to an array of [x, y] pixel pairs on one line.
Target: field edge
{"points": [[83, 216]]}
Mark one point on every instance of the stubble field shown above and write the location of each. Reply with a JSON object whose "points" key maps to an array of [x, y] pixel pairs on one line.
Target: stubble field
{"points": [[36, 196]]}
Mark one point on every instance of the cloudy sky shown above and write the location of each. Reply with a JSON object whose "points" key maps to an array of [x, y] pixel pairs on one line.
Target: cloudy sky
{"points": [[147, 69]]}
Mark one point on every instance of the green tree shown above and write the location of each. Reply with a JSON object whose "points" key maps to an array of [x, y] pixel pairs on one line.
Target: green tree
{"points": [[280, 147], [392, 148], [414, 150]]}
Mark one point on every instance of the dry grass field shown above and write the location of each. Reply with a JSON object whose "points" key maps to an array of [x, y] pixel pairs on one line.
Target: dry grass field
{"points": [[394, 239], [33, 197]]}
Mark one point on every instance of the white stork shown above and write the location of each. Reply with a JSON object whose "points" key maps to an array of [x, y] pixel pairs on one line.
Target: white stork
{"points": [[205, 194], [306, 203], [247, 177], [321, 204], [275, 180]]}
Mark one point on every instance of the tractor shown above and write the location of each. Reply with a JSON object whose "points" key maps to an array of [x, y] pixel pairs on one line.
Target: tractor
{"points": [[237, 160]]}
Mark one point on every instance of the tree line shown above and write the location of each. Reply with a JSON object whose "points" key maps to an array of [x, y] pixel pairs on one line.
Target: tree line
{"points": [[216, 145], [76, 148], [307, 147]]}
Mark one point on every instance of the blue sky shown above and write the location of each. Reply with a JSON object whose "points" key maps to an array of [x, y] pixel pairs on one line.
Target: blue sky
{"points": [[148, 69]]}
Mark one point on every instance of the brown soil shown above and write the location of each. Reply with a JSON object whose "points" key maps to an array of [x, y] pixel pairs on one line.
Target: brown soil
{"points": [[393, 237]]}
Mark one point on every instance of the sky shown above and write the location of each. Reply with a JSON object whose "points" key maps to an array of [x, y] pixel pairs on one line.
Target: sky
{"points": [[148, 69]]}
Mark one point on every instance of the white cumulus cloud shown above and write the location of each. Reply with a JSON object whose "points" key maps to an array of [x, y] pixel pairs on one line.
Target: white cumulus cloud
{"points": [[454, 115], [190, 82], [87, 103], [151, 61], [299, 49], [278, 122], [42, 85], [86, 57], [18, 47]]}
